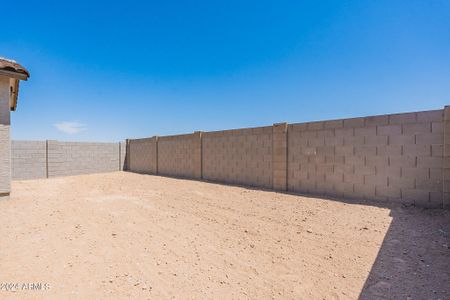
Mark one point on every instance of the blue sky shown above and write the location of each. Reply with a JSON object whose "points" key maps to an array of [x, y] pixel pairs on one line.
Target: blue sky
{"points": [[110, 70]]}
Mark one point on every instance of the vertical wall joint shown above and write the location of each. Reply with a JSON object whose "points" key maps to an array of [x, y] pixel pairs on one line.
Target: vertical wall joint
{"points": [[127, 155], [120, 158], [197, 135], [279, 156], [46, 158], [446, 159], [156, 154]]}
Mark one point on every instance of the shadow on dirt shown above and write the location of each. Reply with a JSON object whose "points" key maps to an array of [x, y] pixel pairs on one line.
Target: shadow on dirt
{"points": [[414, 259]]}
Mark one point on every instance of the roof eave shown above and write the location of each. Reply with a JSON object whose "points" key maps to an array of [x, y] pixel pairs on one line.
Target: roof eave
{"points": [[15, 75]]}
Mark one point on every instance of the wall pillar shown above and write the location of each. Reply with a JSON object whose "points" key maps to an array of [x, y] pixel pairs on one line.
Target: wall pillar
{"points": [[120, 156], [126, 167], [446, 165], [197, 136], [5, 142], [155, 153], [46, 158], [279, 156]]}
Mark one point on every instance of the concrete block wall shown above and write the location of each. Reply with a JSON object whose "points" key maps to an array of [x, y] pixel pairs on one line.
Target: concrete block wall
{"points": [[395, 158], [43, 159], [177, 155], [143, 158], [401, 158], [280, 156], [29, 159], [241, 156], [446, 158], [74, 158]]}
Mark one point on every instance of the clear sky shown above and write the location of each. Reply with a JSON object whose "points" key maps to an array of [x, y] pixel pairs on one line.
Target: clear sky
{"points": [[110, 70]]}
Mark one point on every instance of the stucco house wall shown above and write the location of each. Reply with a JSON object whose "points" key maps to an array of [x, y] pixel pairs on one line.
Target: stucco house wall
{"points": [[5, 144]]}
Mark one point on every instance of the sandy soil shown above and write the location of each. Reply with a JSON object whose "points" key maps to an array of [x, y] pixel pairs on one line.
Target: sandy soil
{"points": [[131, 236]]}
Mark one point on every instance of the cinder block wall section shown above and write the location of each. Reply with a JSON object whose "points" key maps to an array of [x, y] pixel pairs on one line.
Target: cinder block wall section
{"points": [[446, 158], [240, 156], [5, 143], [396, 158], [179, 155], [29, 159], [43, 159], [279, 157], [143, 157], [74, 158]]}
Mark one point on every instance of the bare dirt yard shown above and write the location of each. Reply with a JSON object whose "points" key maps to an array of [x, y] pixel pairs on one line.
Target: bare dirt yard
{"points": [[130, 236]]}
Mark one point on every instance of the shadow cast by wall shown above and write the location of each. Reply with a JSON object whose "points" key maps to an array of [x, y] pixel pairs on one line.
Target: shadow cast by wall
{"points": [[271, 190], [414, 260]]}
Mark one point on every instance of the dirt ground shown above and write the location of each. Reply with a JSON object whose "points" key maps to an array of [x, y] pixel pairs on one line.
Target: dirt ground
{"points": [[130, 236]]}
